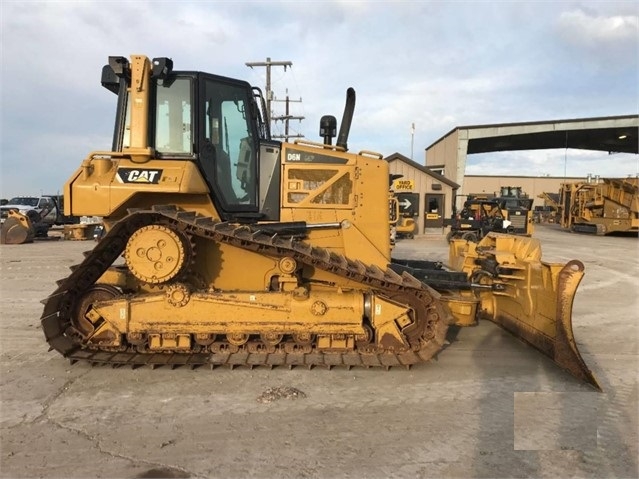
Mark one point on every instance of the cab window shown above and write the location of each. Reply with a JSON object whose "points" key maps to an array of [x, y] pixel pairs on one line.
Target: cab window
{"points": [[173, 128]]}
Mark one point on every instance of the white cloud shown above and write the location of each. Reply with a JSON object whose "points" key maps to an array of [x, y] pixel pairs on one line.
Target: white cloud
{"points": [[606, 40], [580, 27]]}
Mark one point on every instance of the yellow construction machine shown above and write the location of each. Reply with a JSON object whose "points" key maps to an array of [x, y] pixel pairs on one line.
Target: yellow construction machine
{"points": [[17, 228], [516, 207], [241, 250], [478, 217], [405, 227], [402, 226], [600, 207]]}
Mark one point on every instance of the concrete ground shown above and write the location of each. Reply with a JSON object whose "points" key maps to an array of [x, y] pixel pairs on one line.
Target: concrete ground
{"points": [[488, 407]]}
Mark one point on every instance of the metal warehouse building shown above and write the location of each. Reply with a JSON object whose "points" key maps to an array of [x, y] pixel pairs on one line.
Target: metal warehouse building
{"points": [[428, 192]]}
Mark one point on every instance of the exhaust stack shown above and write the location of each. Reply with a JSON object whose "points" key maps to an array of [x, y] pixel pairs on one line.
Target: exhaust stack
{"points": [[345, 127]]}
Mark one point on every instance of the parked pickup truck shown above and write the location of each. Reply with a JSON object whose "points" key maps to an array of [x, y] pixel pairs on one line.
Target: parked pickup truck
{"points": [[28, 205]]}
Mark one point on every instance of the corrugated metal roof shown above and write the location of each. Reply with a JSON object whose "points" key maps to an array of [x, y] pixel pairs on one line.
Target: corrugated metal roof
{"points": [[620, 134]]}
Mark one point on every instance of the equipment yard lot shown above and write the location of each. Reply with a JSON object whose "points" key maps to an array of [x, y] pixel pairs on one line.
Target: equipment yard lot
{"points": [[488, 407]]}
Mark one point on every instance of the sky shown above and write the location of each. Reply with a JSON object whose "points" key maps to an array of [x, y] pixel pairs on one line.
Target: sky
{"points": [[436, 65]]}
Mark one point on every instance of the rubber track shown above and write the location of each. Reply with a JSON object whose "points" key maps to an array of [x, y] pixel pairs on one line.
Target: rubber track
{"points": [[57, 307]]}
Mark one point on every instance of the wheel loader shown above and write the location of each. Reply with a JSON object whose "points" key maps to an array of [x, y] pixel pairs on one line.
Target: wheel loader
{"points": [[223, 247]]}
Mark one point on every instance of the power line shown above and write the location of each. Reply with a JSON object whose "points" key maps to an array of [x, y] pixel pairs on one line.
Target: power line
{"points": [[270, 98], [286, 118], [268, 64]]}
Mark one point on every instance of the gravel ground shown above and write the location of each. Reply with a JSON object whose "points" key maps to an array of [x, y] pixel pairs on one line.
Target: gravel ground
{"points": [[488, 407]]}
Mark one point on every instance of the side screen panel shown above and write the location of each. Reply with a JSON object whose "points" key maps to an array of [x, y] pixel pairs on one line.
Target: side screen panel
{"points": [[270, 166]]}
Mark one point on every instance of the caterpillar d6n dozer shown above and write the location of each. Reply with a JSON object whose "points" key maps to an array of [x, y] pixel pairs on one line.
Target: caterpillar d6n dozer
{"points": [[224, 247]]}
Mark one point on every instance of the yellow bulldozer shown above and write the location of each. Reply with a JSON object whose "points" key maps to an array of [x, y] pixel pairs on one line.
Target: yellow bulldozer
{"points": [[239, 250]]}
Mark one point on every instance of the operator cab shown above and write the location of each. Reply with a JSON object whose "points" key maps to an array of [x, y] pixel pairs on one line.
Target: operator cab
{"points": [[214, 121]]}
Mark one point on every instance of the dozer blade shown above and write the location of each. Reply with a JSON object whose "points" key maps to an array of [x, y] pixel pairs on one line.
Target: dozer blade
{"points": [[530, 298], [16, 229]]}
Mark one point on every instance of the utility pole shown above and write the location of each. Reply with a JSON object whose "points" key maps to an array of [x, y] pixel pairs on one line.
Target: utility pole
{"points": [[268, 64], [286, 117], [412, 138]]}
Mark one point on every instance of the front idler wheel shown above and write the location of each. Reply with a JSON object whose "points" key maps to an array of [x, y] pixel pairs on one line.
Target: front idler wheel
{"points": [[80, 324]]}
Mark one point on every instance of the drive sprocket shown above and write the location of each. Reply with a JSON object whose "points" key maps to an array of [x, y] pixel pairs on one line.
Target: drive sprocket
{"points": [[156, 254]]}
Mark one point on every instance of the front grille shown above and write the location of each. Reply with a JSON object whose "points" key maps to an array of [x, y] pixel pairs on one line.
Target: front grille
{"points": [[518, 222]]}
